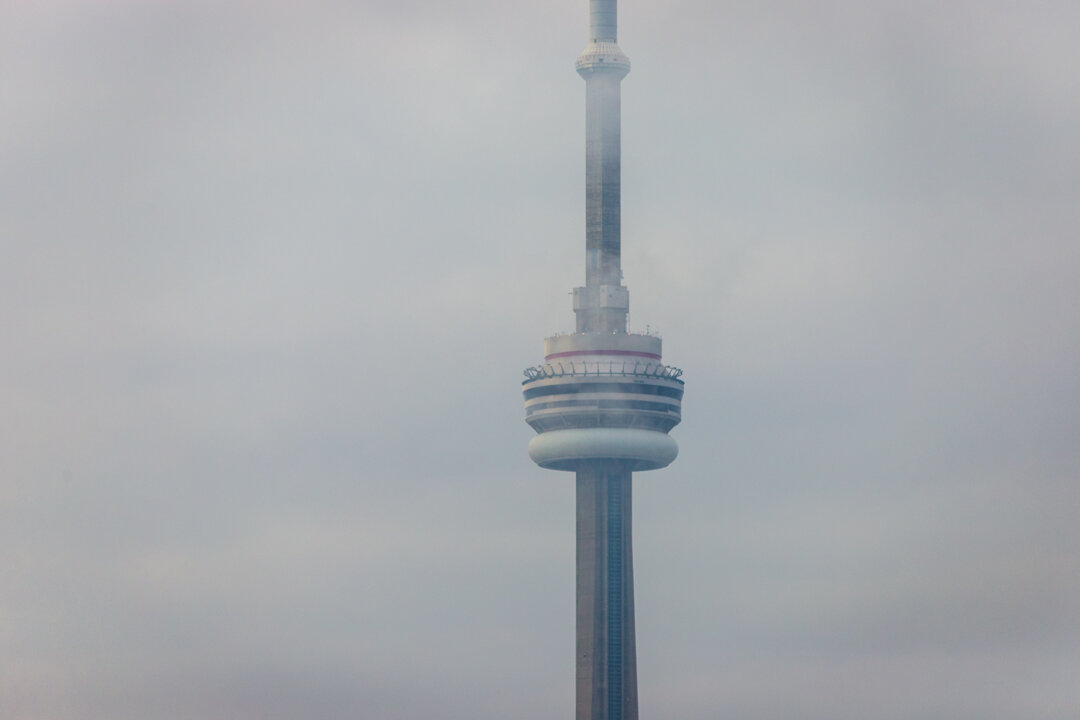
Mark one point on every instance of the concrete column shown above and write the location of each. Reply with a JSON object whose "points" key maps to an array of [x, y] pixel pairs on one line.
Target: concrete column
{"points": [[602, 20], [603, 179], [606, 650]]}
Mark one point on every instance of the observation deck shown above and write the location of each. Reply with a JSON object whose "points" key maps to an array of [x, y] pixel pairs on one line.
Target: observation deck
{"points": [[603, 396]]}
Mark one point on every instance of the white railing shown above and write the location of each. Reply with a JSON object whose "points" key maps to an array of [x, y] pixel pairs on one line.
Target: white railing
{"points": [[598, 369]]}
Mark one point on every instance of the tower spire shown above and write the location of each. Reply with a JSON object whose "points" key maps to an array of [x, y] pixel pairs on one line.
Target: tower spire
{"points": [[603, 19], [602, 305]]}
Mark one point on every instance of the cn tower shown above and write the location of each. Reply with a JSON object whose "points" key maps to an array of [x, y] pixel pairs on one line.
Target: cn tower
{"points": [[602, 402]]}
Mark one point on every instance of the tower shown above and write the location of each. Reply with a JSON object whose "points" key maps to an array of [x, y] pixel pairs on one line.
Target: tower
{"points": [[602, 402]]}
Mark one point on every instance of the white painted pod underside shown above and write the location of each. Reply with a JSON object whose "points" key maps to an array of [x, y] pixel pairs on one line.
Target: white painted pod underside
{"points": [[568, 449]]}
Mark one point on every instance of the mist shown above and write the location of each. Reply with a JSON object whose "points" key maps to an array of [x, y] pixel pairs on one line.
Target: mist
{"points": [[272, 273]]}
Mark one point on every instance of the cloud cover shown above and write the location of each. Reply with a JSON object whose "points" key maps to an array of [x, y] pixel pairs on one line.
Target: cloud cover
{"points": [[271, 272]]}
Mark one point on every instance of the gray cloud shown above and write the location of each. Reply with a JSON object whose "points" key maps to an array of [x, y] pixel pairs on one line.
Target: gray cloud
{"points": [[271, 272]]}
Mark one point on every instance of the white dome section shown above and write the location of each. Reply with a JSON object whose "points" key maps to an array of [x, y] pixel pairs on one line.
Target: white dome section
{"points": [[603, 54], [567, 449]]}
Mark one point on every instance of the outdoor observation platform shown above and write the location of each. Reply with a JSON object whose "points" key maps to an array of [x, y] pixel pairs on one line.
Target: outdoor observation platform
{"points": [[603, 396]]}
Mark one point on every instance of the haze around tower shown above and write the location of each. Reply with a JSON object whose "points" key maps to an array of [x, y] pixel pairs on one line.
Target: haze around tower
{"points": [[270, 271]]}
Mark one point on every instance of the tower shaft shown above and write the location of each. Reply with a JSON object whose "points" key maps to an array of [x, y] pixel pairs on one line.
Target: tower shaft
{"points": [[603, 20], [603, 182], [606, 667]]}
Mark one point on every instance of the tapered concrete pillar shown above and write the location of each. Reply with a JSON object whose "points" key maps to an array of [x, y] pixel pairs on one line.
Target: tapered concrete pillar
{"points": [[606, 651]]}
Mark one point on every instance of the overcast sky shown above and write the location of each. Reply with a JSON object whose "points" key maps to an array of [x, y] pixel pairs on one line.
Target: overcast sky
{"points": [[270, 273]]}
